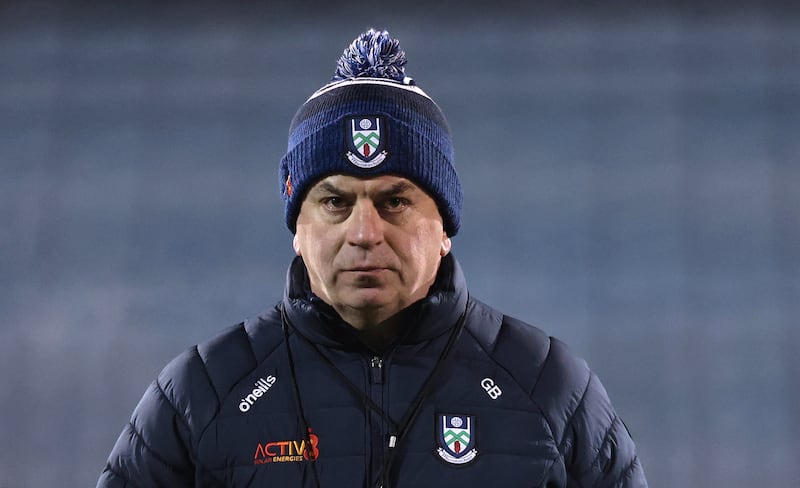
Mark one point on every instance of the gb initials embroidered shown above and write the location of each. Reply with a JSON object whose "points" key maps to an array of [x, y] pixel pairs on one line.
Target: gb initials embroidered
{"points": [[492, 390]]}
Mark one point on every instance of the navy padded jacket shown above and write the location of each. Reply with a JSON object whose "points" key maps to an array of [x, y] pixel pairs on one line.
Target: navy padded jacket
{"points": [[508, 406]]}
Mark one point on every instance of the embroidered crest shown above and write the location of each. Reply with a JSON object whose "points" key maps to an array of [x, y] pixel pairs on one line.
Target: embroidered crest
{"points": [[455, 435], [365, 140]]}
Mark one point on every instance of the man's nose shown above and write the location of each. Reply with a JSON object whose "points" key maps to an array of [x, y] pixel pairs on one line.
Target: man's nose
{"points": [[365, 225]]}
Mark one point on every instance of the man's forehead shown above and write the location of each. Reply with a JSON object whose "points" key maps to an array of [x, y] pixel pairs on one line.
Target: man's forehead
{"points": [[349, 183]]}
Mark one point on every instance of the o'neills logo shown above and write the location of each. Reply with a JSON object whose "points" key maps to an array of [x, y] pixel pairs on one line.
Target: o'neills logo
{"points": [[288, 451], [262, 386]]}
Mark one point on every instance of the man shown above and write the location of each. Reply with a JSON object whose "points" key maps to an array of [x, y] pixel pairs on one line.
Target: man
{"points": [[377, 369]]}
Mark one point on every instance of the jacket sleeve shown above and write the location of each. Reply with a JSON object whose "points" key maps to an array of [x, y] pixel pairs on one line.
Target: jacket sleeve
{"points": [[597, 447], [595, 444], [154, 448]]}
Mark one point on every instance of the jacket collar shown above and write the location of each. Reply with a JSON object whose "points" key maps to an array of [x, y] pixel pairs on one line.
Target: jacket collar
{"points": [[432, 316]]}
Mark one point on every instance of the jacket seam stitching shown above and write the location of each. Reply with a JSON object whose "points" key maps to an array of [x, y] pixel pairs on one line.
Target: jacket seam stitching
{"points": [[155, 454], [196, 462], [196, 352], [544, 363], [258, 360], [120, 475], [252, 349], [628, 471], [552, 463], [550, 423], [606, 440], [178, 415], [568, 424], [216, 394]]}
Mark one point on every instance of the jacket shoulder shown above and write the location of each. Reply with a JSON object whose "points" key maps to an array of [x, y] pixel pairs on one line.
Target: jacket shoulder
{"points": [[543, 366], [156, 447], [197, 381], [595, 445], [519, 348]]}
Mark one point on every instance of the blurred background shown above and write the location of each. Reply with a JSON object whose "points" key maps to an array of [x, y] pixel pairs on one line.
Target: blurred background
{"points": [[631, 176]]}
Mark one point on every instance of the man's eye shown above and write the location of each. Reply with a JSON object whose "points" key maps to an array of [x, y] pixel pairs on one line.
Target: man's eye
{"points": [[396, 203], [334, 203]]}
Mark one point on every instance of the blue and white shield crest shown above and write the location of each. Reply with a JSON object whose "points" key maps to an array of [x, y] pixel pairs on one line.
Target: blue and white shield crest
{"points": [[365, 140], [455, 435]]}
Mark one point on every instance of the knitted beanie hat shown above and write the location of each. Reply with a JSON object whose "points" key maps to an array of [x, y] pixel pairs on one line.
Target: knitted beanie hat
{"points": [[371, 120]]}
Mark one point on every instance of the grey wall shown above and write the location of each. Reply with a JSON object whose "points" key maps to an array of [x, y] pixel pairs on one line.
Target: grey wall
{"points": [[631, 186]]}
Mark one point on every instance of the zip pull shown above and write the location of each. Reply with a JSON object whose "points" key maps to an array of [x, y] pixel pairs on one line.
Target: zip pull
{"points": [[376, 366]]}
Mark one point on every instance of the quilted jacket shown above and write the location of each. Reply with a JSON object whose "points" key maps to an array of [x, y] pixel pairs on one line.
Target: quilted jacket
{"points": [[466, 397]]}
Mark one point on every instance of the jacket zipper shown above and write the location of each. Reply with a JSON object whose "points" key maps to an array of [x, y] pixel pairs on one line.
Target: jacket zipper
{"points": [[376, 427], [376, 367]]}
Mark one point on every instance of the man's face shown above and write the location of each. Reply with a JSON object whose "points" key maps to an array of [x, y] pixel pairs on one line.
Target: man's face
{"points": [[371, 246]]}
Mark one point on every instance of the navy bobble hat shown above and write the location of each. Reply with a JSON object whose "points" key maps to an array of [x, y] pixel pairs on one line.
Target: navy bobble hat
{"points": [[371, 120]]}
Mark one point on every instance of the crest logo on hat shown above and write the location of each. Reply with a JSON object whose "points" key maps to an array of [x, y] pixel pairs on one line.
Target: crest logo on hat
{"points": [[365, 141], [455, 435]]}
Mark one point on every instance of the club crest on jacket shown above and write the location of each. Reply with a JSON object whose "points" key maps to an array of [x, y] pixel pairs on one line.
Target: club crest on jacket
{"points": [[365, 140], [455, 435]]}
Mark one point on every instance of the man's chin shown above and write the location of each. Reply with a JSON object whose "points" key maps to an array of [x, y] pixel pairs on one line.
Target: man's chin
{"points": [[371, 300], [368, 300]]}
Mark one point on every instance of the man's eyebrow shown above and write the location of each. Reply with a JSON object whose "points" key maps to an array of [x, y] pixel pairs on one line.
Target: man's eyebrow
{"points": [[394, 189], [327, 187], [399, 187]]}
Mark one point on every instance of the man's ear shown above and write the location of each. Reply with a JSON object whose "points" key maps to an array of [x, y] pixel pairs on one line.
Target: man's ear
{"points": [[296, 245], [446, 246]]}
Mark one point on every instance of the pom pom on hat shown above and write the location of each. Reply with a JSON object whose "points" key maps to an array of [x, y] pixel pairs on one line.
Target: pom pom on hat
{"points": [[369, 121], [373, 54]]}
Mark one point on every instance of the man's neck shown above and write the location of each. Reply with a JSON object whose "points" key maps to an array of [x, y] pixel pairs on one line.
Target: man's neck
{"points": [[380, 337], [378, 334]]}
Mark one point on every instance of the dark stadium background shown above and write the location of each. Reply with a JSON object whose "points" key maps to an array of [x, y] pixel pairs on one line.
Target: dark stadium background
{"points": [[631, 178]]}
